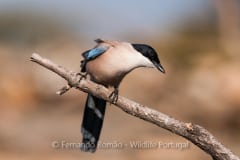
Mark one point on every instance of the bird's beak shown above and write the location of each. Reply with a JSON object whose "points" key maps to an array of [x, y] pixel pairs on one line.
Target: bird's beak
{"points": [[159, 67]]}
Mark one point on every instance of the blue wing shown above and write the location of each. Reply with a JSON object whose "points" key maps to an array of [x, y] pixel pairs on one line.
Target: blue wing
{"points": [[93, 53]]}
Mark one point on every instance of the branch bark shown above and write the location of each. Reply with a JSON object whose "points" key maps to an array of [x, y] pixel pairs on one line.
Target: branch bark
{"points": [[194, 133]]}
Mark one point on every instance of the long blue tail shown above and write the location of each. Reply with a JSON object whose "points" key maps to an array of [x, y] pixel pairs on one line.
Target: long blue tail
{"points": [[92, 123]]}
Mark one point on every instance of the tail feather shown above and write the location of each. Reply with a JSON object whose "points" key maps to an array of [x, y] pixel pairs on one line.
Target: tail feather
{"points": [[92, 123]]}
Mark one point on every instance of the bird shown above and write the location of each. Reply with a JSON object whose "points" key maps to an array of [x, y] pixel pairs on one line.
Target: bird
{"points": [[107, 64]]}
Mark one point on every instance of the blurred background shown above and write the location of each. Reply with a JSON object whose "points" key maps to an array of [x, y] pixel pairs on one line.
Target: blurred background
{"points": [[199, 46]]}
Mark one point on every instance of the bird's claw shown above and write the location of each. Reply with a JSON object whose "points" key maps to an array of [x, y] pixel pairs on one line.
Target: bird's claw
{"points": [[69, 86], [82, 75], [114, 96]]}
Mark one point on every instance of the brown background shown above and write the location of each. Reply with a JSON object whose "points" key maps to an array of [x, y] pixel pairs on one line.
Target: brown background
{"points": [[201, 85]]}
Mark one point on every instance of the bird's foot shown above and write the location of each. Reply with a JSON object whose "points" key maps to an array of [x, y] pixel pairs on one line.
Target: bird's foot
{"points": [[114, 96], [66, 88], [82, 75]]}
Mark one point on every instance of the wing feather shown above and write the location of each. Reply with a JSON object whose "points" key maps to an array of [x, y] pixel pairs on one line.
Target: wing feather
{"points": [[92, 54]]}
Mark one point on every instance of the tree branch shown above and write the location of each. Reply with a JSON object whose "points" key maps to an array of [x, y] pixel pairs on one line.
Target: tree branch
{"points": [[194, 133]]}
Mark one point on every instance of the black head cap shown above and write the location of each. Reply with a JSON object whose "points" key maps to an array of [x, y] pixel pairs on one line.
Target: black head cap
{"points": [[151, 54]]}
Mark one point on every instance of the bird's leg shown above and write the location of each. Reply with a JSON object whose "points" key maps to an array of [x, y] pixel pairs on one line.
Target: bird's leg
{"points": [[82, 75], [114, 95]]}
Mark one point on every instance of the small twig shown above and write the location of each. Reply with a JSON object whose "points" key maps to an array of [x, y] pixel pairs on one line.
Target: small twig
{"points": [[194, 133], [63, 90]]}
